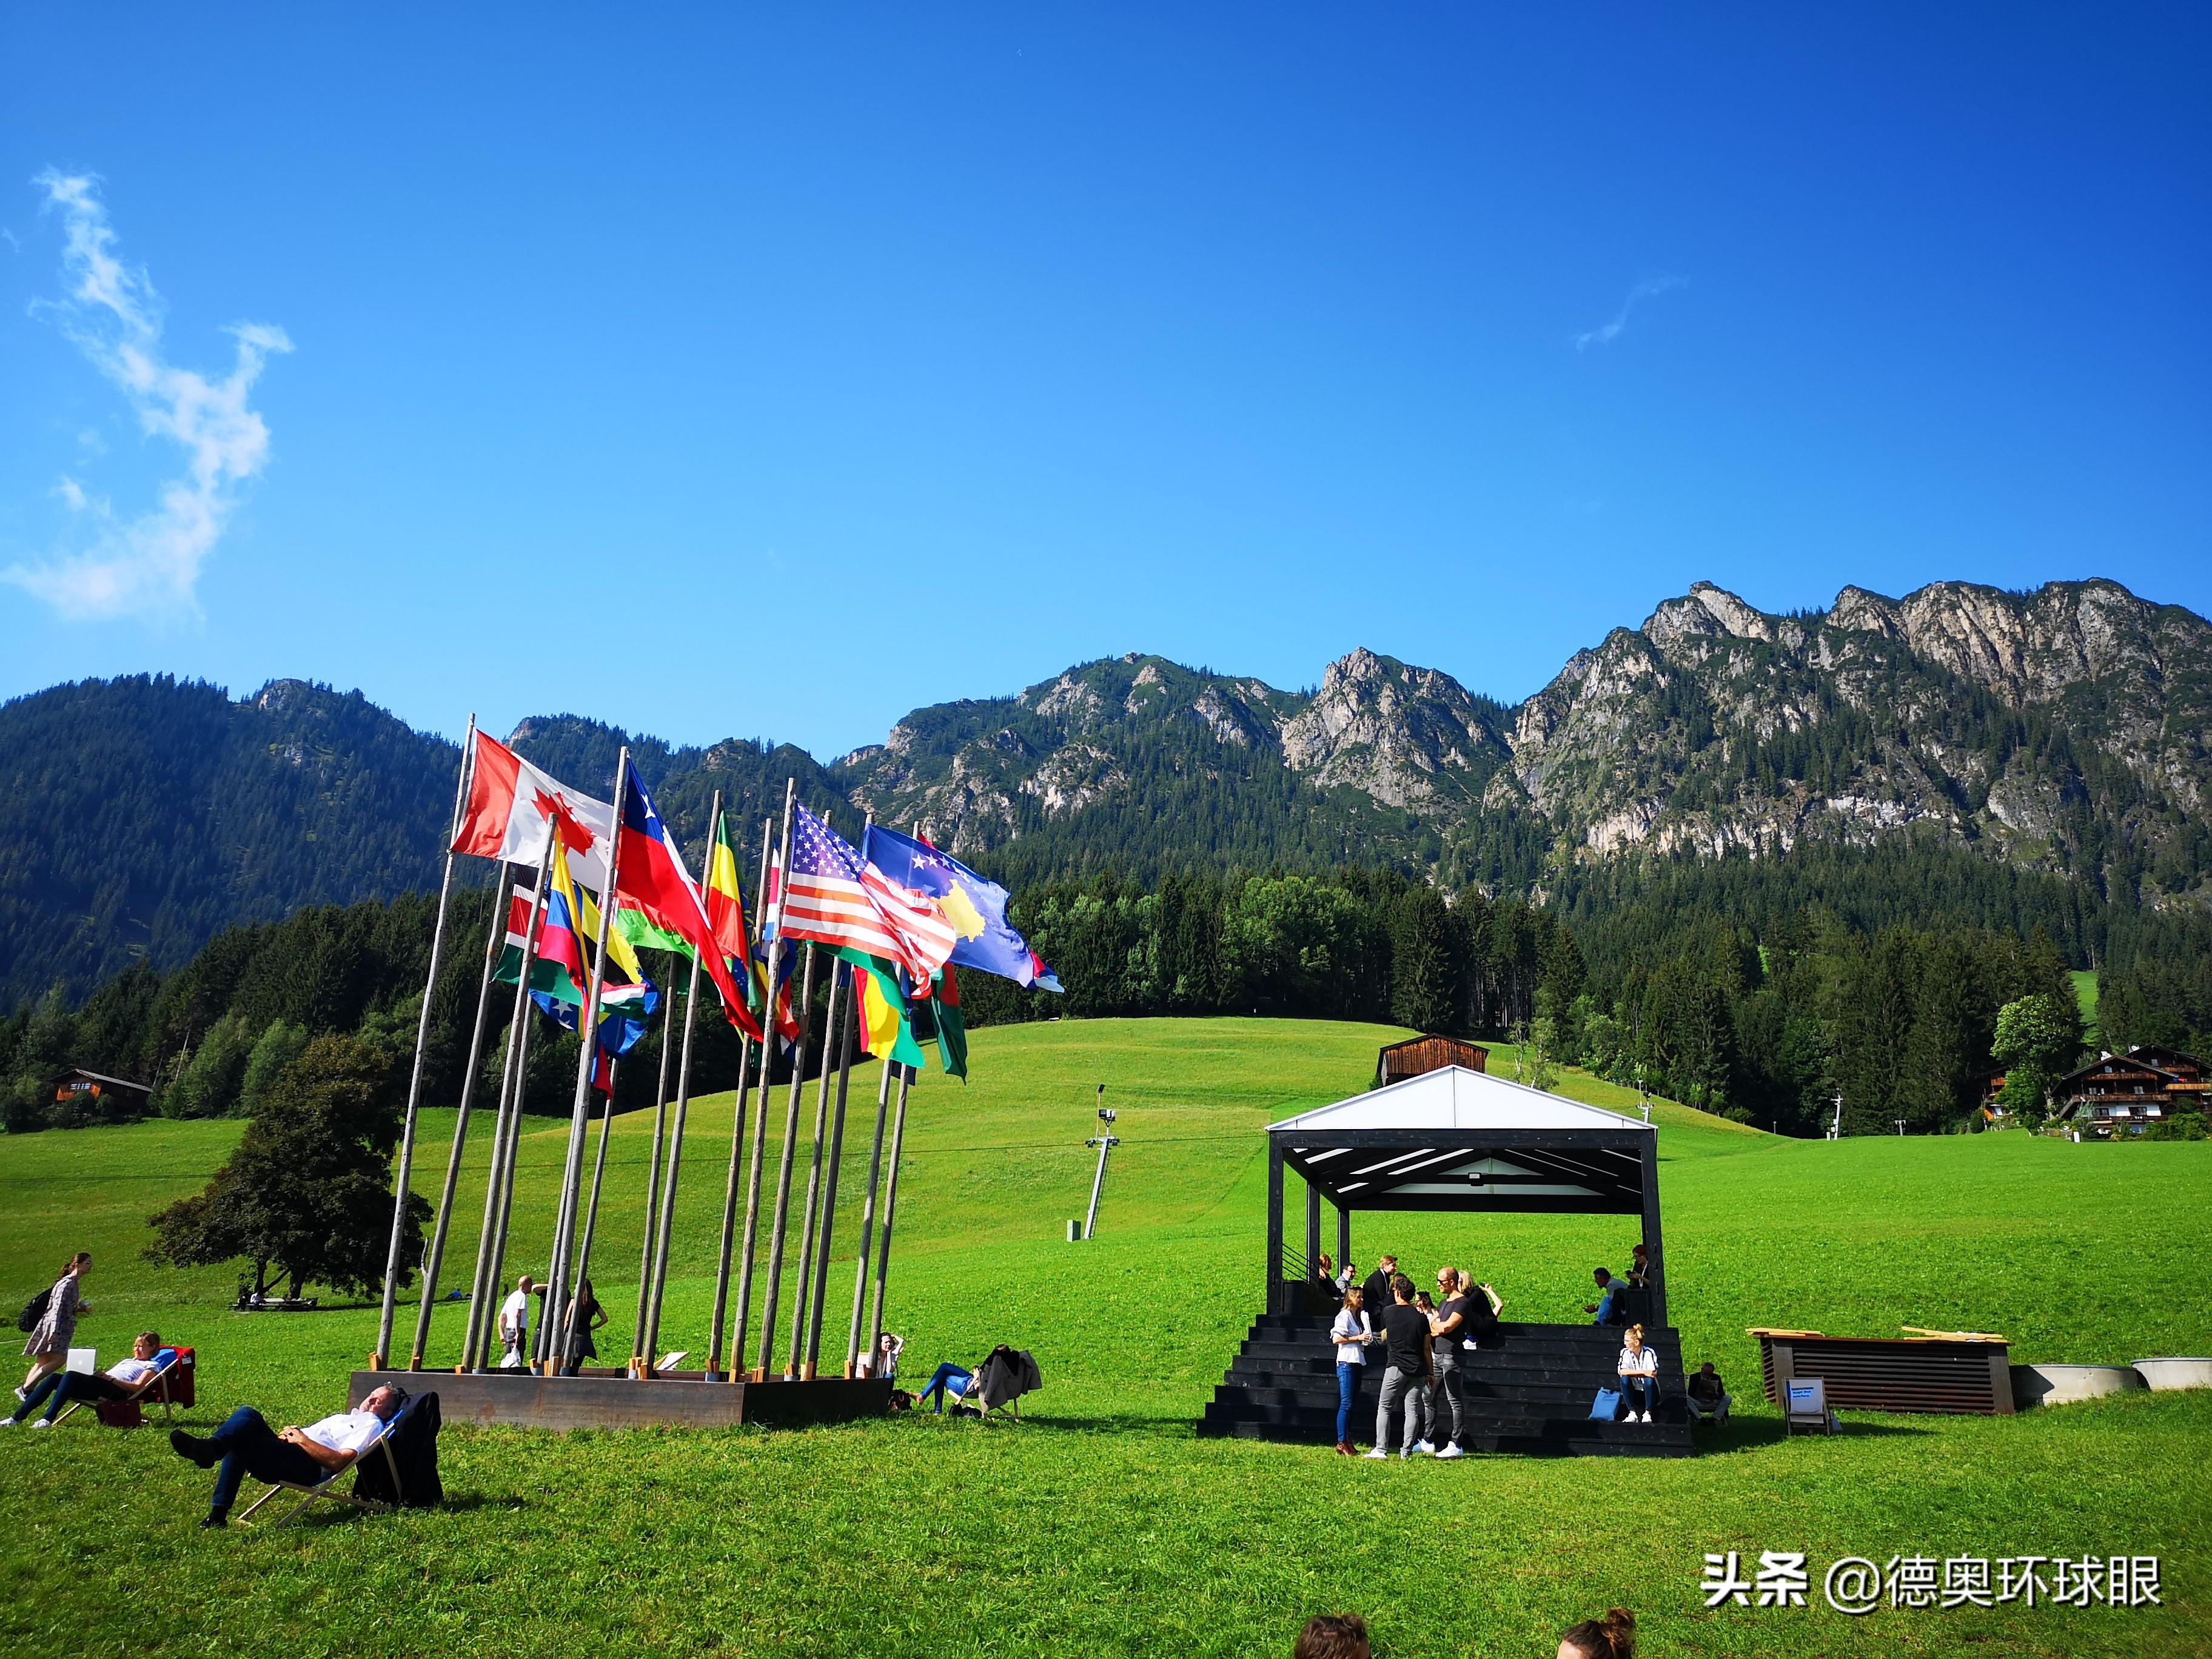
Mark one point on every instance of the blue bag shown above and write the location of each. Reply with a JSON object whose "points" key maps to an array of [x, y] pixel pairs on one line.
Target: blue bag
{"points": [[1607, 1407]]}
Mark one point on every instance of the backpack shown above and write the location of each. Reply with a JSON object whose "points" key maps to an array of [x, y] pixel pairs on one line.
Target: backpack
{"points": [[35, 1310], [1607, 1407]]}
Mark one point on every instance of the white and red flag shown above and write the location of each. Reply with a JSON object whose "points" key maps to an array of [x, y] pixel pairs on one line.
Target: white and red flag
{"points": [[834, 896], [513, 806]]}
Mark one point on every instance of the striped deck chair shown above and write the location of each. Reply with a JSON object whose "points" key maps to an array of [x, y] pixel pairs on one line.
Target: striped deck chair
{"points": [[327, 1486]]}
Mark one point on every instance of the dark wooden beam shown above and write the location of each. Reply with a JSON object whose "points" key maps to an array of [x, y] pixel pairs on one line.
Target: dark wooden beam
{"points": [[1274, 1226]]}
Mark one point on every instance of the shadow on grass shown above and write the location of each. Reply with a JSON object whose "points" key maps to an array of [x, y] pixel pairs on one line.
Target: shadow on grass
{"points": [[320, 1515]]}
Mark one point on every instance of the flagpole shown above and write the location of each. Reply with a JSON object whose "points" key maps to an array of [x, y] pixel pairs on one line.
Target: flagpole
{"points": [[652, 1169], [737, 1121], [502, 1121], [591, 1221], [767, 1083], [891, 1207], [802, 1291], [508, 1162], [830, 1188], [676, 1142], [867, 1229], [436, 1262], [404, 1169], [598, 1172], [777, 1234], [587, 1035]]}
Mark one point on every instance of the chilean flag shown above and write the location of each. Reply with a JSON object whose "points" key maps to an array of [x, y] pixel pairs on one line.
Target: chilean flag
{"points": [[650, 878]]}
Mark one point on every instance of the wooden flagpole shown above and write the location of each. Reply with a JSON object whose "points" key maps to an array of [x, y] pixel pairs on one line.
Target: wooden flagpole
{"points": [[867, 1228], [891, 1208], [652, 1169], [404, 1169], [587, 1032], [738, 1125], [790, 1146], [803, 1289], [435, 1264], [767, 1082], [829, 1187], [510, 1091], [676, 1141]]}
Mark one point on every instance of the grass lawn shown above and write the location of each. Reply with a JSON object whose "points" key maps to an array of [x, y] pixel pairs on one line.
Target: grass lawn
{"points": [[2084, 992], [1102, 1525]]}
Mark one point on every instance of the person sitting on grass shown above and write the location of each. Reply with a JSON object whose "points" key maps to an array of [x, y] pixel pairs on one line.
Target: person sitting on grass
{"points": [[1640, 1373], [1707, 1396], [1608, 1306], [1332, 1636], [124, 1380], [1613, 1637], [949, 1381], [1639, 1266], [245, 1444]]}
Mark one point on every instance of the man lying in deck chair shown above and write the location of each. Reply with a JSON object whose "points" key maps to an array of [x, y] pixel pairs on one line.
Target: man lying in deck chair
{"points": [[62, 1392], [306, 1460]]}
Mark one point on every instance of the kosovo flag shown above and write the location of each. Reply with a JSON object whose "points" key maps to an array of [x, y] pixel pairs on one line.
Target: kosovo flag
{"points": [[976, 907]]}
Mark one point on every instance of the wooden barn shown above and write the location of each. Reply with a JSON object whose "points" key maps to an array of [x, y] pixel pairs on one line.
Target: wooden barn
{"points": [[2125, 1094], [1399, 1060], [119, 1090]]}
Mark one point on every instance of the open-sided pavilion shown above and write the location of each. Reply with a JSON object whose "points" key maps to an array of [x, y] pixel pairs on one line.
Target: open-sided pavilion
{"points": [[1463, 1141]]}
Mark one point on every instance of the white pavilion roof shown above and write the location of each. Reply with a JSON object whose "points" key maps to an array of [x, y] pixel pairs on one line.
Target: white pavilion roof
{"points": [[1453, 1097]]}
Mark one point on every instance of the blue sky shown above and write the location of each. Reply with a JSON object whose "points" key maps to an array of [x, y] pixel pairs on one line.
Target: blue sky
{"points": [[718, 373]]}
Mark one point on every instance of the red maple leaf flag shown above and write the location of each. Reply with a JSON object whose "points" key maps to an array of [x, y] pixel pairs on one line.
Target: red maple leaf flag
{"points": [[514, 806]]}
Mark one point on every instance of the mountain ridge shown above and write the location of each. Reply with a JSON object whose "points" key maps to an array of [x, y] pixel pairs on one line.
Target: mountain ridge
{"points": [[2065, 730]]}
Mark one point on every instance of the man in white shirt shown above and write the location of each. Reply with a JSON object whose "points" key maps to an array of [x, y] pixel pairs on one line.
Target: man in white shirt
{"points": [[246, 1445], [59, 1390], [514, 1323]]}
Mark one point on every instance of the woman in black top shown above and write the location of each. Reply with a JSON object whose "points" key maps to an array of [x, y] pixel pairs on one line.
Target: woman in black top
{"points": [[585, 1316]]}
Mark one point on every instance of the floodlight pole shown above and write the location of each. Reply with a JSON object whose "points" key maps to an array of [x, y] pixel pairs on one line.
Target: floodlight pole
{"points": [[1105, 1141]]}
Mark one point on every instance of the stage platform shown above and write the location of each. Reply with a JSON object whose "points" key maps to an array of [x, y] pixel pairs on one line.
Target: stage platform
{"points": [[1528, 1389], [612, 1401]]}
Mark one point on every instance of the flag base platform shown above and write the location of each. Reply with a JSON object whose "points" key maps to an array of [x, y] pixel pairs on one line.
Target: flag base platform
{"points": [[610, 1400]]}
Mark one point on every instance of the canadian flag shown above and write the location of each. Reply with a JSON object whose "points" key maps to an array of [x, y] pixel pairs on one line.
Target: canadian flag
{"points": [[513, 806]]}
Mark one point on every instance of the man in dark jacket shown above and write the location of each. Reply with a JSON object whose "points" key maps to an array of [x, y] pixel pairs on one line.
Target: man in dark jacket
{"points": [[1374, 1293]]}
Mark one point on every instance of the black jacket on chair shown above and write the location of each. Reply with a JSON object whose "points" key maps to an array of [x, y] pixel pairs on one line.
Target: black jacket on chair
{"points": [[413, 1438]]}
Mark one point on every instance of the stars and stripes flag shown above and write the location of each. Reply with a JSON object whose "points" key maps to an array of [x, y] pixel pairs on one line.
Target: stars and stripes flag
{"points": [[836, 897]]}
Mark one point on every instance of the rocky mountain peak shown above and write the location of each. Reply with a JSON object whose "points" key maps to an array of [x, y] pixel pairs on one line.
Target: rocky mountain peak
{"points": [[1399, 733]]}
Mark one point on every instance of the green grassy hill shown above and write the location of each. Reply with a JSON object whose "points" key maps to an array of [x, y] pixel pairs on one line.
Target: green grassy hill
{"points": [[1103, 1525]]}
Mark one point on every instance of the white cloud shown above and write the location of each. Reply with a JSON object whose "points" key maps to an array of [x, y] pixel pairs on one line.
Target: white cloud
{"points": [[150, 564], [1606, 333]]}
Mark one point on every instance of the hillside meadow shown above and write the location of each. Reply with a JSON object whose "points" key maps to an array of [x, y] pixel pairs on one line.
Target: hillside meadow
{"points": [[1100, 1525]]}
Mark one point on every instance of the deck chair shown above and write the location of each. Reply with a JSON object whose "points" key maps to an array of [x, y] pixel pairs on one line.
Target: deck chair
{"points": [[170, 1382], [327, 1487], [1805, 1406], [1000, 1382]]}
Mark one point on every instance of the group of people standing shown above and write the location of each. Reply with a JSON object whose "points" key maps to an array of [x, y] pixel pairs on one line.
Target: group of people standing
{"points": [[1424, 1341]]}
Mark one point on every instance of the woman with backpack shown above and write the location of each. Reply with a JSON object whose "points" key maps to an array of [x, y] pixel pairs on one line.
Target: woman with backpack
{"points": [[53, 1326]]}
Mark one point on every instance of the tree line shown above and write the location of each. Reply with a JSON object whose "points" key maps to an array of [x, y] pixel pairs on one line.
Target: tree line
{"points": [[1704, 991]]}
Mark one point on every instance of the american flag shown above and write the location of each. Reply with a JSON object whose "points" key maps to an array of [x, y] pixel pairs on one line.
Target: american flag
{"points": [[836, 897]]}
